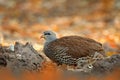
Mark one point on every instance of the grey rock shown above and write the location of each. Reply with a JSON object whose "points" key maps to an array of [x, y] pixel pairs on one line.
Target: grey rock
{"points": [[23, 58]]}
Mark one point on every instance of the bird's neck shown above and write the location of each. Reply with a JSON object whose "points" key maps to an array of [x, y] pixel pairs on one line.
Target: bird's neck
{"points": [[49, 40]]}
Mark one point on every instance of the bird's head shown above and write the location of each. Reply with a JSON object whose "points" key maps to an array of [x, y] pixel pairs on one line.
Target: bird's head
{"points": [[48, 36]]}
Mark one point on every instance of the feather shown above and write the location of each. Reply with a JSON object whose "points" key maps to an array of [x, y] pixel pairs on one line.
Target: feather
{"points": [[76, 46], [68, 49]]}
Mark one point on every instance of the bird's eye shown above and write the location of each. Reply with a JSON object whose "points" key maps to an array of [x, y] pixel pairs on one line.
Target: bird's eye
{"points": [[47, 34]]}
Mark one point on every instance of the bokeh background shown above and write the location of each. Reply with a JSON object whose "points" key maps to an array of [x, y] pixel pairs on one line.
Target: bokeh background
{"points": [[25, 20]]}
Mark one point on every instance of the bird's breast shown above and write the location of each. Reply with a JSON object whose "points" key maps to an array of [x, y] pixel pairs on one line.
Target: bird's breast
{"points": [[48, 52]]}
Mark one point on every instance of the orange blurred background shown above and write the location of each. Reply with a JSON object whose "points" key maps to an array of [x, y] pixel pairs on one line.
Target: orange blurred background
{"points": [[25, 20]]}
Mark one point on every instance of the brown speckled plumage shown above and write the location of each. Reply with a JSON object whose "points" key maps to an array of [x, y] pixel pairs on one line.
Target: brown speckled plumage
{"points": [[67, 50]]}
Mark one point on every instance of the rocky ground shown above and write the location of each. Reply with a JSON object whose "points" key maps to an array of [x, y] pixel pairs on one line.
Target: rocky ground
{"points": [[20, 58]]}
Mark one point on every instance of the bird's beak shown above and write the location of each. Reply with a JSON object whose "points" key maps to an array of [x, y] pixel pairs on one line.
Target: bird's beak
{"points": [[42, 36]]}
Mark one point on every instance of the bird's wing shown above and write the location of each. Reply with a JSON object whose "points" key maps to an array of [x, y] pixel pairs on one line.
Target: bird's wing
{"points": [[76, 46]]}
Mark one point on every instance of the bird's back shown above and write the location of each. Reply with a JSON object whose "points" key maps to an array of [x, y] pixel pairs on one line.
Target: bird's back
{"points": [[74, 46]]}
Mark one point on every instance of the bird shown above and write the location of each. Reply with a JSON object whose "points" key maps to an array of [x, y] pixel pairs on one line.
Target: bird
{"points": [[71, 50]]}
